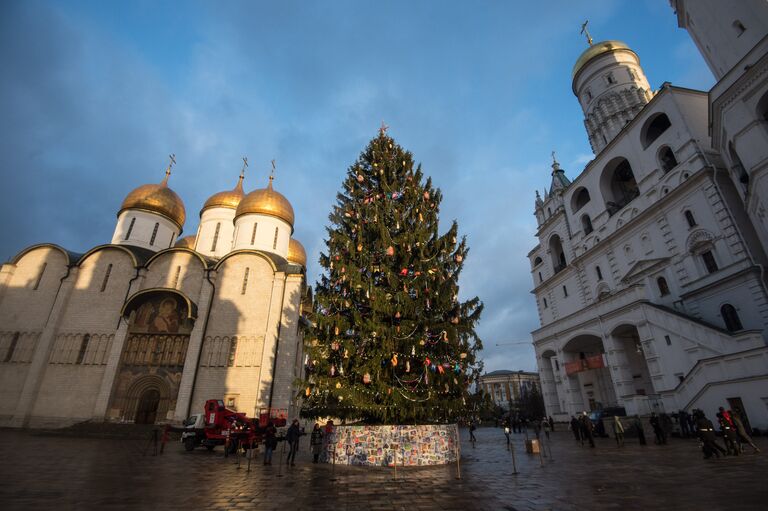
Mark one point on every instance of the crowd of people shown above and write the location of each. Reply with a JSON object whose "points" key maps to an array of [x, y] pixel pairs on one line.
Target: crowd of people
{"points": [[318, 440]]}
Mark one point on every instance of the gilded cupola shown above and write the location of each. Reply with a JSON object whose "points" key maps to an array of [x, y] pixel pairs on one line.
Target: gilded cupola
{"points": [[296, 253], [266, 201], [157, 198]]}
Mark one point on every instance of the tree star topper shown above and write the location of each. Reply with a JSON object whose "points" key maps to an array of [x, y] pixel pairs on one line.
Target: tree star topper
{"points": [[383, 129]]}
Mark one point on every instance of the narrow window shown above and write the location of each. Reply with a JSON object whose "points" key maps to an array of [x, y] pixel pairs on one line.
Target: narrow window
{"points": [[12, 347], [689, 218], [739, 27], [40, 276], [663, 287], [176, 277], [557, 365], [586, 224], [669, 341], [599, 273], [589, 95], [232, 352], [130, 228], [173, 237], [565, 292], [83, 349], [253, 234], [667, 159], [215, 237], [274, 242], [245, 280], [540, 278], [731, 318], [610, 79], [545, 303], [154, 234], [709, 261], [106, 277]]}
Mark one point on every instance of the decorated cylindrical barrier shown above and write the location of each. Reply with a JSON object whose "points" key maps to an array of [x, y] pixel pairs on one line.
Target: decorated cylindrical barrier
{"points": [[430, 444]]}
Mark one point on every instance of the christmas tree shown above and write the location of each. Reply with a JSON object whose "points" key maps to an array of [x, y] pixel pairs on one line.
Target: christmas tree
{"points": [[390, 341]]}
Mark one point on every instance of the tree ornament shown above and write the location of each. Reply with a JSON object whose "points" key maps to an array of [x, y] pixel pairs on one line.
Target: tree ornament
{"points": [[407, 366], [390, 251], [359, 247], [360, 178], [333, 370], [394, 360], [413, 351], [459, 258], [367, 378], [463, 355], [426, 195], [336, 330], [338, 385], [308, 391]]}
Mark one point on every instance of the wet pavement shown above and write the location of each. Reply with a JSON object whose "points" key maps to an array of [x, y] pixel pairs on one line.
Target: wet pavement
{"points": [[49, 472]]}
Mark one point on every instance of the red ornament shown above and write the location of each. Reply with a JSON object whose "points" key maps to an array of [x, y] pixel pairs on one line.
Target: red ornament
{"points": [[390, 250]]}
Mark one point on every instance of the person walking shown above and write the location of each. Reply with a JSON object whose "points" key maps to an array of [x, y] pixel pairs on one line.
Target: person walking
{"points": [[729, 433], [551, 424], [292, 436], [587, 430], [329, 439], [657, 429], [706, 432], [682, 419], [506, 434], [638, 425], [472, 429], [316, 442], [575, 428], [741, 432], [618, 431], [270, 442]]}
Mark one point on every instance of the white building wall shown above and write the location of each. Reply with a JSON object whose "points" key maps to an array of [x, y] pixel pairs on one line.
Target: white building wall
{"points": [[143, 227], [213, 219], [264, 239]]}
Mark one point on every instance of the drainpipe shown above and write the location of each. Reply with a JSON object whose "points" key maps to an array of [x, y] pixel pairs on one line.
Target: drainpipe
{"points": [[61, 283], [277, 346], [128, 290], [202, 341]]}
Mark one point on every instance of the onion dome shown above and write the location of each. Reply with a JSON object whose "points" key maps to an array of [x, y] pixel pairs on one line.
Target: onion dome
{"points": [[227, 199], [266, 201], [595, 50], [157, 198], [186, 242], [296, 253]]}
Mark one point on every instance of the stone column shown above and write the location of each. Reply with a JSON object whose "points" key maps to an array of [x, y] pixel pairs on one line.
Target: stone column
{"points": [[618, 364], [196, 341], [42, 353]]}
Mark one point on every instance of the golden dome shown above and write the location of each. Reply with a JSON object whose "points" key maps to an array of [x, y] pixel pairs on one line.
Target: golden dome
{"points": [[157, 198], [595, 50], [296, 253], [227, 199], [186, 242], [266, 201]]}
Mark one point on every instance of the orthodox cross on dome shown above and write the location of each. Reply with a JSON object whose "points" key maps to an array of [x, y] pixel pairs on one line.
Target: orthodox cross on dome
{"points": [[585, 32], [171, 163], [245, 164], [555, 164], [272, 174], [383, 129]]}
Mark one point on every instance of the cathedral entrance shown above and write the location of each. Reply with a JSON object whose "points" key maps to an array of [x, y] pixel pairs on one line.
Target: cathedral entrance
{"points": [[589, 378], [152, 361], [147, 409]]}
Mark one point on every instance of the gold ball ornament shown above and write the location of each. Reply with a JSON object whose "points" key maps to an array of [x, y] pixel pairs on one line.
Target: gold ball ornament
{"points": [[338, 385], [463, 355], [360, 178], [308, 391]]}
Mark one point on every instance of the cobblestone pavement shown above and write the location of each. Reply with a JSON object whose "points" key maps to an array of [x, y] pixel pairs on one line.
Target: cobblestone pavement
{"points": [[47, 472]]}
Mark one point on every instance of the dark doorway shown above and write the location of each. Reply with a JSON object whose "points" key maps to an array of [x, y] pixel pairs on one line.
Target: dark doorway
{"points": [[146, 413]]}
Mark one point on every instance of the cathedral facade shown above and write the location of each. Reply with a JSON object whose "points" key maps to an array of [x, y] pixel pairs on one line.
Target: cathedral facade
{"points": [[649, 268], [148, 327]]}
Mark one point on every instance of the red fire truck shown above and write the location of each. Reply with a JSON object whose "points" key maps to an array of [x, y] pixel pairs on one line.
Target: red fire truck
{"points": [[218, 425]]}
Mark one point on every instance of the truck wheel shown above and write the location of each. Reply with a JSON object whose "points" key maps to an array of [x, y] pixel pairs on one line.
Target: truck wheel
{"points": [[189, 443]]}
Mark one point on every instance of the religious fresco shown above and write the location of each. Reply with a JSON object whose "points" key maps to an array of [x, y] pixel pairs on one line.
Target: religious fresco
{"points": [[161, 313], [383, 445]]}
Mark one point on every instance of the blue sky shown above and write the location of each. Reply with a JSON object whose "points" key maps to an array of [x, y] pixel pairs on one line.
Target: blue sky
{"points": [[95, 95]]}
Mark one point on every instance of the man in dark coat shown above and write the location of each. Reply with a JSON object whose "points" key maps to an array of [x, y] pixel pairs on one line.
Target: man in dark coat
{"points": [[575, 428], [657, 429], [587, 429], [729, 433], [292, 436], [706, 432]]}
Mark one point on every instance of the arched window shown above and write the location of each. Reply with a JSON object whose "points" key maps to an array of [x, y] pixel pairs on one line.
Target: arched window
{"points": [[232, 352], [545, 303], [130, 228], [557, 254], [661, 282], [253, 233], [653, 128], [599, 273], [580, 199], [12, 347], [106, 277], [549, 211], [709, 261], [667, 159], [586, 224], [245, 281], [274, 242], [739, 27], [215, 237], [83, 349], [537, 261], [731, 318], [154, 234], [736, 165], [689, 218], [618, 185]]}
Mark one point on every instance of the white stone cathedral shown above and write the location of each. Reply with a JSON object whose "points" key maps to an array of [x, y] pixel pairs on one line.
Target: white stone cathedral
{"points": [[650, 267], [146, 328]]}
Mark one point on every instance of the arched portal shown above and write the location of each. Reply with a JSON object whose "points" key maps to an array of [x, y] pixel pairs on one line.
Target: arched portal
{"points": [[146, 411], [634, 383], [153, 356], [589, 378]]}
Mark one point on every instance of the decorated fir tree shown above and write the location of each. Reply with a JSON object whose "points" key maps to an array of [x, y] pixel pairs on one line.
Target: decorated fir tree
{"points": [[391, 343]]}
